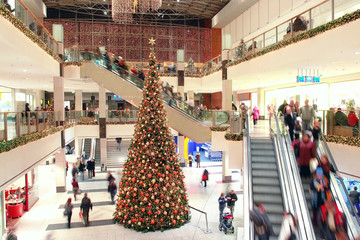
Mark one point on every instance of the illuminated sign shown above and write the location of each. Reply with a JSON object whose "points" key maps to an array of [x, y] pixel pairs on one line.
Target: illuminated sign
{"points": [[308, 79]]}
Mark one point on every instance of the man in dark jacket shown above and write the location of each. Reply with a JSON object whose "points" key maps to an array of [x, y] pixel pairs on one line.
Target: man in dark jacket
{"points": [[90, 166], [354, 196], [85, 206], [231, 199], [341, 119]]}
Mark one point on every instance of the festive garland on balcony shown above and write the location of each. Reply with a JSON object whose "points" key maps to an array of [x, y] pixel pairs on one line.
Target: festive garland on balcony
{"points": [[351, 141], [25, 30], [219, 128], [234, 137], [73, 63], [20, 141], [347, 18], [212, 70], [121, 123]]}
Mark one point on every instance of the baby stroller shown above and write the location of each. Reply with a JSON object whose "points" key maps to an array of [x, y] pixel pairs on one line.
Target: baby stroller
{"points": [[226, 223]]}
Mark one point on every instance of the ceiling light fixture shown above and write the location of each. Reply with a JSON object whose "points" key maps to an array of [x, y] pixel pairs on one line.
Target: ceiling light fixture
{"points": [[122, 10]]}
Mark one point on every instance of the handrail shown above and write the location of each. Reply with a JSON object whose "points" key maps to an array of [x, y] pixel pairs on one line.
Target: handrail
{"points": [[207, 225], [248, 223], [37, 20], [349, 174], [299, 200]]}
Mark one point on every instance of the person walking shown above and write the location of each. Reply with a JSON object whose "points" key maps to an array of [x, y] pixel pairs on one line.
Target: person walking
{"points": [[288, 230], [90, 167], [205, 177], [118, 141], [68, 210], [82, 169], [74, 171], [222, 205], [112, 190], [231, 198], [306, 152], [255, 114], [262, 224], [289, 121], [306, 113], [354, 196], [191, 159], [197, 159], [75, 186], [109, 176], [85, 207]]}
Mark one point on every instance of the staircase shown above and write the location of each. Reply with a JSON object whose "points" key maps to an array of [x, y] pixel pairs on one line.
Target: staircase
{"points": [[87, 146], [116, 158], [265, 181], [97, 152]]}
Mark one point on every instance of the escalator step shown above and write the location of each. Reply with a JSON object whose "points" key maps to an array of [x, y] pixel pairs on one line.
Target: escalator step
{"points": [[273, 190], [276, 228], [266, 181], [266, 198], [276, 218], [262, 159], [262, 146], [274, 208], [262, 153], [271, 166], [265, 173], [260, 140]]}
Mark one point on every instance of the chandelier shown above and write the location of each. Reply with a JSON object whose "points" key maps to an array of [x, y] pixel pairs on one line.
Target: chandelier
{"points": [[122, 10]]}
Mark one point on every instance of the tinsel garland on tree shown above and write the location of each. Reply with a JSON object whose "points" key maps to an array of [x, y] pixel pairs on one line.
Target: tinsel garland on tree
{"points": [[152, 194], [24, 29]]}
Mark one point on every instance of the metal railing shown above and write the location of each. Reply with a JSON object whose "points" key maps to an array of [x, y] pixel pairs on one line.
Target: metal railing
{"points": [[248, 192], [206, 219], [22, 12]]}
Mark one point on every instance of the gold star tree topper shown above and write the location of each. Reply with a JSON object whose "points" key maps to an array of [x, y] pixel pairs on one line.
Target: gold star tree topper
{"points": [[152, 41]]}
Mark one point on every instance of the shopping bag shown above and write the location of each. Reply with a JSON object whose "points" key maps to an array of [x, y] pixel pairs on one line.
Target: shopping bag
{"points": [[313, 164], [79, 191]]}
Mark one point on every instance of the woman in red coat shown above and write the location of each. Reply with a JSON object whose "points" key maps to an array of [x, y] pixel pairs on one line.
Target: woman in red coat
{"points": [[306, 152]]}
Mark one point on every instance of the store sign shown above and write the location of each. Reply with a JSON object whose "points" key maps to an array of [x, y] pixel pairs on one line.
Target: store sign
{"points": [[308, 79]]}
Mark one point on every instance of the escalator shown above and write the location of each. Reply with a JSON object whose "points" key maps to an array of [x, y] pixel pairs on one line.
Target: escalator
{"points": [[265, 180], [338, 189], [183, 118], [97, 152], [87, 146]]}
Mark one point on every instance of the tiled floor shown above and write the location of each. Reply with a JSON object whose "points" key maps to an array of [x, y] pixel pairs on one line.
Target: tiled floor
{"points": [[47, 213]]}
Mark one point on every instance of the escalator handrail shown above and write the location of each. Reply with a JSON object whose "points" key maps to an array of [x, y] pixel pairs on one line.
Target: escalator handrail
{"points": [[249, 182], [139, 83], [332, 161], [301, 202]]}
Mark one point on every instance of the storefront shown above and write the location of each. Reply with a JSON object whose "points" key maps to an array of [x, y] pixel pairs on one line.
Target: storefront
{"points": [[340, 94], [318, 94]]}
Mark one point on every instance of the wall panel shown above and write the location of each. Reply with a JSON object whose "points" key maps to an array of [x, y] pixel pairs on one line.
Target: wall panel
{"points": [[239, 24], [254, 15], [233, 30], [285, 6], [274, 10], [263, 12], [247, 22], [297, 3]]}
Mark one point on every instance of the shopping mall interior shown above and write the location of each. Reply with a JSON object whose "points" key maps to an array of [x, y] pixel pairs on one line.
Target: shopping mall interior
{"points": [[83, 80]]}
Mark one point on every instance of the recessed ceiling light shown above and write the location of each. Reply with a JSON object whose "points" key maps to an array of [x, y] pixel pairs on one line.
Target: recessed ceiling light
{"points": [[46, 85], [25, 70], [178, 0], [357, 53]]}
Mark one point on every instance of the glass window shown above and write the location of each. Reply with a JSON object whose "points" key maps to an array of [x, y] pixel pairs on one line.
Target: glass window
{"points": [[321, 15], [270, 37], [33, 186], [342, 7], [284, 31], [2, 209]]}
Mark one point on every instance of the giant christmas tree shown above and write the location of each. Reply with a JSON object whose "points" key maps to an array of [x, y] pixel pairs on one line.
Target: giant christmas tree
{"points": [[152, 193]]}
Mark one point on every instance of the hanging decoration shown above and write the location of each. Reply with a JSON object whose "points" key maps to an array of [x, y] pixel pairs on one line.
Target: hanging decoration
{"points": [[122, 10]]}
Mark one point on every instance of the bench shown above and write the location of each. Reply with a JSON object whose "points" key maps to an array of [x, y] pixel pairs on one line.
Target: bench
{"points": [[343, 131]]}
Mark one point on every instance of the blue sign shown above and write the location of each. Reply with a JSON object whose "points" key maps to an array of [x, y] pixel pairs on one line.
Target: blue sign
{"points": [[308, 79], [300, 79]]}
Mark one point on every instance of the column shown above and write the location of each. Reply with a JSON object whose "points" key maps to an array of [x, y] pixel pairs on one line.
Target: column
{"points": [[60, 161], [3, 213], [236, 100], [39, 94], [261, 103], [59, 100], [102, 127], [181, 78], [181, 147], [191, 95], [78, 100], [226, 106], [78, 146]]}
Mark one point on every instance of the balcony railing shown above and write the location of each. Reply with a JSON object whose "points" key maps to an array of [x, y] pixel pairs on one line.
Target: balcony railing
{"points": [[23, 13]]}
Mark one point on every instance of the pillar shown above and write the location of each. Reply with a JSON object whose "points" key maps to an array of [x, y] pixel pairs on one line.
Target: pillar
{"points": [[181, 147], [59, 100], [78, 100], [226, 106], [181, 78], [236, 100], [102, 127], [226, 172], [60, 164], [78, 146], [3, 213], [39, 94], [191, 95], [261, 103]]}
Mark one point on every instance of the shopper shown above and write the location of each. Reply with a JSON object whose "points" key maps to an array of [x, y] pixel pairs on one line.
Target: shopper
{"points": [[74, 171], [306, 113], [118, 141], [90, 167], [341, 119], [316, 132], [288, 230], [289, 121], [262, 224], [82, 169], [318, 188], [85, 207], [306, 152], [255, 114], [197, 159], [231, 198], [354, 122], [75, 186], [109, 176], [205, 177], [354, 196], [281, 108], [112, 189], [191, 159], [68, 211], [222, 205]]}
